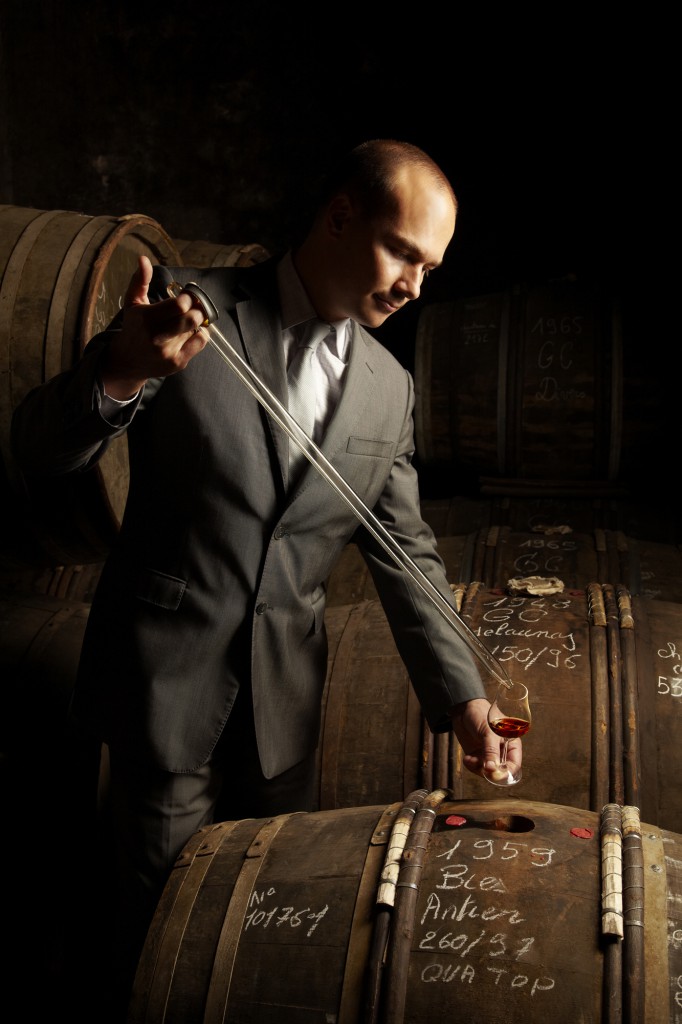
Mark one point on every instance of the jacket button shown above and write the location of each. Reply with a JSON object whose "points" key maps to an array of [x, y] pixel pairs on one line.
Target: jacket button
{"points": [[262, 607], [279, 532]]}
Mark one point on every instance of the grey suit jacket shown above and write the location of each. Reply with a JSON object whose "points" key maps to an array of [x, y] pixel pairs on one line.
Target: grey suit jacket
{"points": [[217, 577]]}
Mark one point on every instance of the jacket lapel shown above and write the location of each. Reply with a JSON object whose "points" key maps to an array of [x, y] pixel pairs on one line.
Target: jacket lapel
{"points": [[260, 330]]}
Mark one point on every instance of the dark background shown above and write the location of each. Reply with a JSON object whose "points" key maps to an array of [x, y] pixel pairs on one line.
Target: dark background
{"points": [[557, 131]]}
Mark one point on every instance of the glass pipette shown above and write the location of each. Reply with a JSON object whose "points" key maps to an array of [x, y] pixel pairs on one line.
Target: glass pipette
{"points": [[282, 417]]}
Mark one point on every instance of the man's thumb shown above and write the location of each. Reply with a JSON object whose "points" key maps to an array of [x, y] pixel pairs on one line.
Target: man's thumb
{"points": [[139, 283]]}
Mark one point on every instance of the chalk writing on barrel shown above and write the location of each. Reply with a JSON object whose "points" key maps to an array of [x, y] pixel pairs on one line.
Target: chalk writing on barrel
{"points": [[540, 554], [531, 565], [102, 309], [482, 899], [566, 324], [533, 610], [278, 915], [549, 391], [549, 354], [671, 685], [477, 334], [448, 972], [105, 309], [557, 354], [558, 648], [510, 849]]}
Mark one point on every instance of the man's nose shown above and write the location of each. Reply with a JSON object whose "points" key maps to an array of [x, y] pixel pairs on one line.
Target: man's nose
{"points": [[410, 283]]}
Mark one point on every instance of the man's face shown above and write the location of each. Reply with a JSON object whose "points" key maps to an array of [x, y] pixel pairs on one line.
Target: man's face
{"points": [[382, 263]]}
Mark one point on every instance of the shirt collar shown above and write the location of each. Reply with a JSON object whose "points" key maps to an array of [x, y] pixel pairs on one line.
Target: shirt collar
{"points": [[296, 307], [293, 299]]}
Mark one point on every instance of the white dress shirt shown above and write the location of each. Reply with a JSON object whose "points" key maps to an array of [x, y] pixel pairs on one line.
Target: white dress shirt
{"points": [[331, 357]]}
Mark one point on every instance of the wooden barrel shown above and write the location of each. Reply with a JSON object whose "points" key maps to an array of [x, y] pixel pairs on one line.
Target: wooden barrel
{"points": [[212, 254], [536, 383], [647, 568], [69, 582], [648, 517], [351, 582], [495, 555], [604, 672], [64, 275], [431, 910]]}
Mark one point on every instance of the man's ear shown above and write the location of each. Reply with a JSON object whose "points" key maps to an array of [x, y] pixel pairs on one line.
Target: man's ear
{"points": [[339, 212]]}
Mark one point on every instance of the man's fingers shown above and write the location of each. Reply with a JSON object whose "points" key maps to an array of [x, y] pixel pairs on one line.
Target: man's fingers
{"points": [[138, 289]]}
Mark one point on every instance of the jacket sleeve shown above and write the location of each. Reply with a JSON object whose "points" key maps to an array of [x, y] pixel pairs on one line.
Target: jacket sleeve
{"points": [[62, 426], [59, 426], [442, 668]]}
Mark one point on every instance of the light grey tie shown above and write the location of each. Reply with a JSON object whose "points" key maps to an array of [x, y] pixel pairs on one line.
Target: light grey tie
{"points": [[301, 381]]}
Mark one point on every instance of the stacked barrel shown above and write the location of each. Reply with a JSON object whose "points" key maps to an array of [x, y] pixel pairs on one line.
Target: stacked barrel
{"points": [[562, 577], [414, 891], [538, 443]]}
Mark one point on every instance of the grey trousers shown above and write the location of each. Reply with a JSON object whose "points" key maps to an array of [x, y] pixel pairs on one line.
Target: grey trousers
{"points": [[154, 813]]}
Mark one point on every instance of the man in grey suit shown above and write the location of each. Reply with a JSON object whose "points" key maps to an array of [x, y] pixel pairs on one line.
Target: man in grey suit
{"points": [[205, 653]]}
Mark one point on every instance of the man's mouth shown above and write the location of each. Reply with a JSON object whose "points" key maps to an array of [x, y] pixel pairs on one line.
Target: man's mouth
{"points": [[389, 307]]}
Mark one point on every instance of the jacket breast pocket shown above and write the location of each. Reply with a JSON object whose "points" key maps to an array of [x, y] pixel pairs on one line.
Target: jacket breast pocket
{"points": [[160, 589], [370, 446]]}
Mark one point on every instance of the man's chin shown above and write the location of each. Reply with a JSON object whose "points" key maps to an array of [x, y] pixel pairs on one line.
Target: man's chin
{"points": [[376, 319]]}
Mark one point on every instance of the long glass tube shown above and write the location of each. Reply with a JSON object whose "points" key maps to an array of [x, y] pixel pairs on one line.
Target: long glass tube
{"points": [[282, 417]]}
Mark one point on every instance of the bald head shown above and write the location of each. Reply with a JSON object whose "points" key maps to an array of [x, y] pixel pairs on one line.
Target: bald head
{"points": [[370, 173], [384, 223]]}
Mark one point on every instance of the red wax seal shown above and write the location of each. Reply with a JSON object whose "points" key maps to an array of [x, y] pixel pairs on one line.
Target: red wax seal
{"points": [[582, 833], [455, 820]]}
